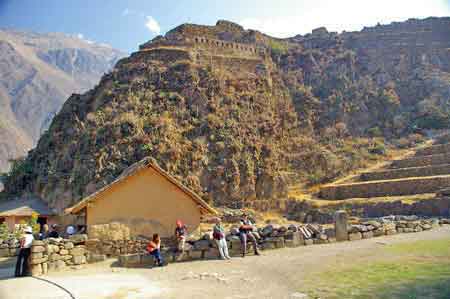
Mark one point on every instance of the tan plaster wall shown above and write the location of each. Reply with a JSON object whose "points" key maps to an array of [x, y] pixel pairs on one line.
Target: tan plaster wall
{"points": [[147, 203]]}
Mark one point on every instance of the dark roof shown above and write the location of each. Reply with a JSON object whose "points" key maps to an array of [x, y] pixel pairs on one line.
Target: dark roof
{"points": [[24, 207], [132, 170]]}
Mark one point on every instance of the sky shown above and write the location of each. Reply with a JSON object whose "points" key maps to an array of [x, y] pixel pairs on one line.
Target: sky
{"points": [[126, 24]]}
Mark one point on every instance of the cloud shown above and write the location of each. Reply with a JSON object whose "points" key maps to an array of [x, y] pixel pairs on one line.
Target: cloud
{"points": [[80, 35], [346, 15], [126, 12], [152, 25]]}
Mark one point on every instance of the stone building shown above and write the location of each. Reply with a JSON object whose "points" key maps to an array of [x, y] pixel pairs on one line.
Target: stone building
{"points": [[19, 211], [144, 198]]}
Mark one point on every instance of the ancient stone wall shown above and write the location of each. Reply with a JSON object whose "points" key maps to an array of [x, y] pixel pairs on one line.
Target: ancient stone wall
{"points": [[385, 188], [406, 172], [422, 161]]}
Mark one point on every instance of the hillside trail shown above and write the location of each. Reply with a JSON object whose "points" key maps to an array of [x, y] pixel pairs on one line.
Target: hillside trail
{"points": [[284, 273]]}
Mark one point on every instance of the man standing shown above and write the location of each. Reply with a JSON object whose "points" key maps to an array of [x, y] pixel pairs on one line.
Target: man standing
{"points": [[180, 236], [24, 253], [246, 232]]}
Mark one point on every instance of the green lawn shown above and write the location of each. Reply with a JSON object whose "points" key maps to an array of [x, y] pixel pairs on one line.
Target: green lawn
{"points": [[406, 271]]}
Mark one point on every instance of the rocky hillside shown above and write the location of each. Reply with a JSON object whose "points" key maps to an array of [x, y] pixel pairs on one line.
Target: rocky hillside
{"points": [[239, 116], [37, 74]]}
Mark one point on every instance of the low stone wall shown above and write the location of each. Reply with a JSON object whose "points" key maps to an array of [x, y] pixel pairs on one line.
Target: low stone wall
{"points": [[55, 254], [398, 187], [434, 149], [398, 173], [9, 247], [422, 161], [114, 248], [276, 236]]}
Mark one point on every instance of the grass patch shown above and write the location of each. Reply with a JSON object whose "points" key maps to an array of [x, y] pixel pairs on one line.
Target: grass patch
{"points": [[411, 271]]}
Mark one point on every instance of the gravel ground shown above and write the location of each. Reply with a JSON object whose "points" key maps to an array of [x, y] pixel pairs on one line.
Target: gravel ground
{"points": [[276, 274]]}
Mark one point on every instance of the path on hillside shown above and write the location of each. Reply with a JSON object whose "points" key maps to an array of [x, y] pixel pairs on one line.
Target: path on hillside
{"points": [[276, 274]]}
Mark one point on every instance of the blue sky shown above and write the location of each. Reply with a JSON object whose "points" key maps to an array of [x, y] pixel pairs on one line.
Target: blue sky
{"points": [[126, 24]]}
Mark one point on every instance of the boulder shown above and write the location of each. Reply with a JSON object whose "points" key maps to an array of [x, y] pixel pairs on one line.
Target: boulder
{"points": [[4, 252], [55, 257], [78, 238], [354, 236], [80, 259], [63, 252], [35, 261], [68, 245], [37, 249], [56, 266], [36, 269], [77, 251], [37, 243]]}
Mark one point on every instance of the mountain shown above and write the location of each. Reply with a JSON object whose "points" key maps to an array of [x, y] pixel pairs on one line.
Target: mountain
{"points": [[37, 74], [240, 116]]}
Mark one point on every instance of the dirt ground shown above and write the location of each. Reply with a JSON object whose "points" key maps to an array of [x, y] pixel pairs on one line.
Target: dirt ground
{"points": [[283, 273]]}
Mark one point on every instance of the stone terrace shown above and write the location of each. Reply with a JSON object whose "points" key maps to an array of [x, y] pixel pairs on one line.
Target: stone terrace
{"points": [[426, 172]]}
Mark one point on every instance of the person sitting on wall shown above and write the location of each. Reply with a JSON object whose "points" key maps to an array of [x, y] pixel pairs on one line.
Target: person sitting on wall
{"points": [[70, 230], [44, 232], [246, 232], [180, 236], [54, 233], [219, 237], [22, 268], [154, 249]]}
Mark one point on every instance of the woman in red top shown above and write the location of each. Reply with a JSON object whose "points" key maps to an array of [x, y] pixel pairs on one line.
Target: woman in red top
{"points": [[154, 248]]}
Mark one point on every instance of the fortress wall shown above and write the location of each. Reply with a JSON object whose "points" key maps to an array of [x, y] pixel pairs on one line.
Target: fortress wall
{"points": [[406, 172], [385, 188], [422, 161]]}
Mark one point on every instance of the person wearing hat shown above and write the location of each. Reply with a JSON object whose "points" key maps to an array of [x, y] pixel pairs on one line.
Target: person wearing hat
{"points": [[22, 268], [246, 232]]}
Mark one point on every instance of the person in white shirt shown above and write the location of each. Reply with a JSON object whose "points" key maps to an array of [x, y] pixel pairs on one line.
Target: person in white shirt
{"points": [[22, 268], [70, 230]]}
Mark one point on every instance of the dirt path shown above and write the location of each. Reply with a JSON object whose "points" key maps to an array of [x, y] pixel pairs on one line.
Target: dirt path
{"points": [[276, 274]]}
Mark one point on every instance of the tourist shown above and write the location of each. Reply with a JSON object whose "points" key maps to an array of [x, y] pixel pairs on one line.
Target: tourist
{"points": [[246, 232], [24, 253], [44, 232], [180, 236], [219, 237], [54, 233], [70, 230], [154, 249]]}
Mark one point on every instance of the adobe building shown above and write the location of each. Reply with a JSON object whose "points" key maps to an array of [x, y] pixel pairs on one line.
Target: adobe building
{"points": [[146, 199], [19, 211]]}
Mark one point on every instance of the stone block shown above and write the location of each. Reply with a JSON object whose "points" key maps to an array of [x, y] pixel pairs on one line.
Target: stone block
{"points": [[37, 255], [341, 225], [95, 258], [355, 236], [331, 240], [36, 270], [38, 243], [34, 261], [64, 252], [44, 268], [54, 257], [309, 242], [51, 248], [391, 232], [56, 266], [320, 241], [81, 259], [37, 249], [66, 257], [267, 245], [78, 238], [77, 251], [378, 233], [69, 245], [126, 260], [367, 235]]}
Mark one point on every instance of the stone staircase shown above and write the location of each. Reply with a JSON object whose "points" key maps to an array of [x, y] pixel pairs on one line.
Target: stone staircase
{"points": [[426, 172]]}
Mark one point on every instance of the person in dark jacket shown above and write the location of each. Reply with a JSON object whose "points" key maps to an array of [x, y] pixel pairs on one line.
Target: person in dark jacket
{"points": [[54, 233]]}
